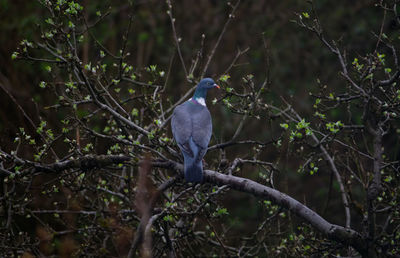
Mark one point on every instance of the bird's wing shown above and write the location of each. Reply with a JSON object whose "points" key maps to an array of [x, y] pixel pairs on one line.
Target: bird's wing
{"points": [[202, 128], [181, 123]]}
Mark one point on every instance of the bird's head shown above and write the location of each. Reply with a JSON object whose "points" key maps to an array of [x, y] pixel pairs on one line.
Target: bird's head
{"points": [[203, 86], [207, 83]]}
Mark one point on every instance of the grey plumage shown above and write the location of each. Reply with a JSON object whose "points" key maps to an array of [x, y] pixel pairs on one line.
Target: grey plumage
{"points": [[192, 128]]}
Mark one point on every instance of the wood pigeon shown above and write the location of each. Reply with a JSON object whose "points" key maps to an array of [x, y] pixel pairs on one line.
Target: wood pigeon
{"points": [[192, 128]]}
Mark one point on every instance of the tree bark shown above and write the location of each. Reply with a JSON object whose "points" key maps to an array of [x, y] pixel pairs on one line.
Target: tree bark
{"points": [[338, 233], [346, 236]]}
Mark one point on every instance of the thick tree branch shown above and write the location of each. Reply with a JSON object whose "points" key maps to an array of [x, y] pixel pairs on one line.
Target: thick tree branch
{"points": [[375, 187], [338, 233], [335, 232]]}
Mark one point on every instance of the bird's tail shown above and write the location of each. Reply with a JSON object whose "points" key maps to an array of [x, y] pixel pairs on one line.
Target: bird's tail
{"points": [[193, 170]]}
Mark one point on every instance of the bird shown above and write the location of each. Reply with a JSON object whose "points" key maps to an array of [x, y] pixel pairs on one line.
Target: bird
{"points": [[192, 128]]}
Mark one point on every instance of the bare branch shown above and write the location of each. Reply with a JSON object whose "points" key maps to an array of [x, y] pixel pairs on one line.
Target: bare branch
{"points": [[177, 40], [210, 57]]}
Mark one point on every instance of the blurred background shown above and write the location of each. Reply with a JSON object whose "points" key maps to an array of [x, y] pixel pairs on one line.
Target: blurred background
{"points": [[296, 57]]}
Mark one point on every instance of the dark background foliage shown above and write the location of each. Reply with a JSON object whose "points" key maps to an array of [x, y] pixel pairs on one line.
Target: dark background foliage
{"points": [[296, 57], [297, 65]]}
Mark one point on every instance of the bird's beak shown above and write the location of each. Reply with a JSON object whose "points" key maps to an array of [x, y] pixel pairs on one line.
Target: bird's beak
{"points": [[216, 86]]}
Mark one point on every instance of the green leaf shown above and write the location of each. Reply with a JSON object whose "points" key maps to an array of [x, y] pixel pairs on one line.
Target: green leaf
{"points": [[388, 179], [14, 56], [381, 58], [222, 211], [284, 126], [88, 66], [71, 24], [135, 112], [48, 35], [49, 21], [224, 78], [320, 115], [70, 85], [302, 124], [168, 218], [42, 84]]}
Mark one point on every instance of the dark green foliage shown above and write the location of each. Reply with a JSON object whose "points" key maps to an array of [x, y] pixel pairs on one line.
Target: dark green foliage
{"points": [[309, 106]]}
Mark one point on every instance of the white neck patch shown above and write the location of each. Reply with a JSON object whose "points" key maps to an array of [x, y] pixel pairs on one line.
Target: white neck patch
{"points": [[201, 101]]}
